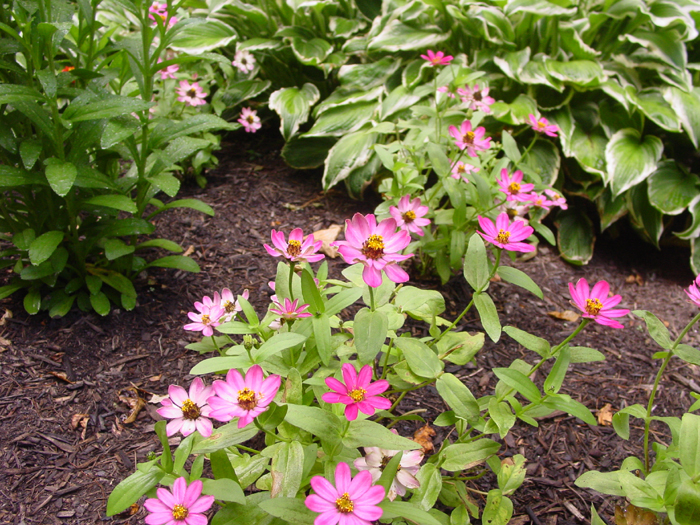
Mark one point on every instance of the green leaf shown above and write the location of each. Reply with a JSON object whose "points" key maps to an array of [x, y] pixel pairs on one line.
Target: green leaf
{"points": [[488, 314], [311, 52], [219, 363], [575, 236], [653, 105], [118, 129], [403, 509], [318, 422], [287, 470], [43, 246], [476, 264], [519, 382], [61, 175], [30, 151], [131, 489], [276, 344], [582, 354], [463, 456], [556, 376], [113, 106], [571, 406], [687, 507], [430, 481], [291, 510], [531, 342], [502, 415], [343, 120], [221, 466], [458, 397], [582, 73], [223, 489], [646, 219], [370, 330], [118, 282], [11, 93], [194, 204], [366, 433], [603, 482], [519, 278], [510, 147], [179, 262], [689, 445], [631, 159], [688, 354], [656, 328], [687, 107], [115, 248], [440, 163], [225, 436], [310, 292], [588, 148], [204, 35], [399, 37], [118, 202], [670, 189], [667, 45], [349, 153], [293, 105], [421, 359], [169, 130], [342, 300], [308, 153], [100, 302], [32, 301], [160, 243]]}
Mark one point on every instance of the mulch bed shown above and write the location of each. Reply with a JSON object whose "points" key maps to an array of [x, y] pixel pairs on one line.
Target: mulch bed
{"points": [[64, 445]]}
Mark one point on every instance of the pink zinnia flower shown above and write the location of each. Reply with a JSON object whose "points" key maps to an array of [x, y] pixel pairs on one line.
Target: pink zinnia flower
{"points": [[357, 392], [513, 187], [191, 94], [543, 126], [229, 303], [693, 292], [506, 235], [470, 140], [183, 506], [376, 246], [595, 304], [460, 170], [188, 412], [375, 459], [168, 72], [408, 215], [244, 61], [249, 120], [290, 310], [556, 199], [350, 502], [476, 99], [243, 397], [161, 11], [539, 201], [437, 59], [208, 317], [297, 249], [446, 89]]}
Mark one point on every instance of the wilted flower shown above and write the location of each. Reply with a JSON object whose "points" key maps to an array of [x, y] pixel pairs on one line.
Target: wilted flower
{"points": [[408, 215], [556, 199], [297, 249], [595, 304], [693, 291], [243, 397], [437, 59], [208, 317], [249, 120], [229, 303], [506, 235], [513, 187], [349, 502], [543, 126], [183, 506], [376, 246], [376, 459], [472, 141], [191, 94], [460, 170], [476, 99], [168, 72], [358, 393], [244, 61], [290, 310], [188, 412]]}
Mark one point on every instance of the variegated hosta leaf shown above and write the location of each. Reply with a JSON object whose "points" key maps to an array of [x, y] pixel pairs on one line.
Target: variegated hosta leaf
{"points": [[293, 106], [687, 107], [646, 219], [340, 120], [542, 162], [312, 52], [563, 118], [670, 189], [589, 150], [494, 24], [365, 76], [584, 73], [610, 208], [303, 154], [537, 7], [244, 90], [575, 236], [349, 153], [196, 38], [651, 102], [571, 41], [535, 72], [397, 36], [345, 95], [401, 98], [513, 62], [361, 177], [630, 159], [614, 117], [516, 112], [667, 45]]}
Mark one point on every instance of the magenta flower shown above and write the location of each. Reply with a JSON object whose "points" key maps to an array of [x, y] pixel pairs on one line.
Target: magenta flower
{"points": [[297, 249], [243, 397], [556, 199], [506, 235], [513, 187], [168, 72], [183, 506], [460, 170], [595, 304], [437, 59], [244, 61], [539, 201], [249, 120], [188, 412], [472, 141], [350, 502], [288, 311], [376, 246], [476, 99], [446, 89], [161, 11], [693, 292], [357, 392], [408, 215], [208, 317], [229, 303], [191, 94], [543, 126]]}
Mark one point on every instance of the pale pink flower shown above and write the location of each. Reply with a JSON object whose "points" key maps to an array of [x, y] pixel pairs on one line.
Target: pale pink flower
{"points": [[244, 61], [460, 170], [297, 249], [506, 235], [349, 502], [375, 459], [437, 59], [556, 199], [249, 120], [208, 317], [538, 200], [516, 210], [191, 94], [168, 72], [188, 412], [185, 505], [290, 310], [358, 393], [542, 125], [376, 246], [446, 89], [229, 303], [472, 141], [595, 304], [161, 11], [476, 99], [693, 292], [408, 215], [513, 187], [243, 397]]}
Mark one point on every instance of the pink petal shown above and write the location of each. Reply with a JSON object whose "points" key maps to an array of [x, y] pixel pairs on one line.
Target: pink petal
{"points": [[202, 504], [180, 489], [196, 519], [349, 376], [351, 412], [235, 380], [372, 277], [365, 377], [342, 477], [324, 489], [336, 385]]}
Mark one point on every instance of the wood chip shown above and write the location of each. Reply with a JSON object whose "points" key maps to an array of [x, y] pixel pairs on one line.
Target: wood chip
{"points": [[566, 315], [570, 507]]}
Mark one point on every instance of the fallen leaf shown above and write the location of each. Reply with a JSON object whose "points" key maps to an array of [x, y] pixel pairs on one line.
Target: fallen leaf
{"points": [[5, 342], [328, 235], [155, 398], [605, 415], [634, 516], [566, 315], [61, 375], [424, 437], [80, 420], [131, 398], [155, 378], [634, 278], [496, 278], [189, 251], [7, 315]]}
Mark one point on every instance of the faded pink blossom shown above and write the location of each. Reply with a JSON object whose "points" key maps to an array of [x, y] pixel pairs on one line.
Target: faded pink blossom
{"points": [[244, 61], [191, 94], [476, 99], [542, 125], [693, 291], [513, 187], [189, 412], [297, 249], [185, 505], [446, 89], [437, 59], [472, 141], [516, 210], [556, 199], [506, 235], [249, 120], [376, 246], [243, 397], [208, 317], [168, 72], [349, 502], [538, 200], [408, 215], [161, 11], [460, 170], [595, 304], [229, 303], [290, 310], [358, 393]]}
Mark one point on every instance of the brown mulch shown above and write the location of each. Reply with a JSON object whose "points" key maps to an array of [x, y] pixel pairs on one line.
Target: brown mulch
{"points": [[63, 445]]}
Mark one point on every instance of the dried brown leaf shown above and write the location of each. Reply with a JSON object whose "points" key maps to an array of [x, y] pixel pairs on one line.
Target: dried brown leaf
{"points": [[566, 315], [634, 278], [189, 251], [328, 236], [62, 376], [605, 415], [7, 315], [634, 516], [155, 398], [131, 398], [80, 420], [424, 437]]}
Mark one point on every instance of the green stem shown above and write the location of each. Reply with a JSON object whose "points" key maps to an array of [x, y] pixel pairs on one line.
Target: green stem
{"points": [[248, 449], [275, 436], [371, 298], [534, 139], [216, 345], [385, 368], [291, 280]]}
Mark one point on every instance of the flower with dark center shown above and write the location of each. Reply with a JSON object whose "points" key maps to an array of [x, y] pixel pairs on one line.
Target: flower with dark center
{"points": [[297, 249], [209, 316], [596, 304], [188, 412], [504, 234]]}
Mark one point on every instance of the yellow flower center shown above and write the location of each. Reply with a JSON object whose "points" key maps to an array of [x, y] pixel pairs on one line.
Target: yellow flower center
{"points": [[468, 137], [206, 319], [409, 216], [373, 248], [190, 410], [246, 399], [192, 92], [180, 512], [344, 504], [357, 395], [593, 306], [293, 248], [541, 125], [251, 120], [461, 168], [514, 188], [229, 306], [503, 236]]}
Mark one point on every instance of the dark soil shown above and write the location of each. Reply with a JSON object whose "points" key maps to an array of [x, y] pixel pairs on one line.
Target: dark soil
{"points": [[59, 372]]}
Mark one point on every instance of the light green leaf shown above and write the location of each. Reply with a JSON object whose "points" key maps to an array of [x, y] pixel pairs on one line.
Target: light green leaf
{"points": [[366, 433], [656, 328], [519, 278], [529, 341], [311, 52], [131, 489], [420, 358], [687, 108], [519, 382], [179, 262], [61, 175], [687, 507], [399, 37], [341, 120], [589, 149], [403, 509], [463, 456], [349, 153], [430, 481], [205, 35], [225, 436], [575, 236], [223, 489], [671, 189], [555, 378], [578, 72], [502, 415], [118, 202], [458, 397], [667, 45], [476, 264], [370, 330], [291, 510], [690, 444], [489, 315], [320, 423], [287, 470], [276, 344], [293, 106]]}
